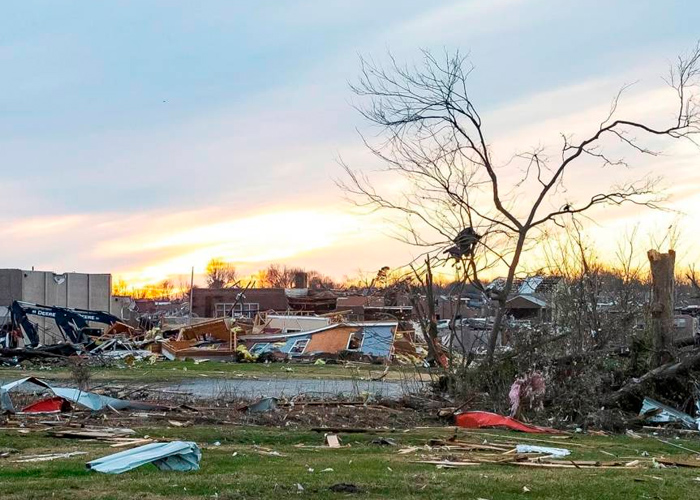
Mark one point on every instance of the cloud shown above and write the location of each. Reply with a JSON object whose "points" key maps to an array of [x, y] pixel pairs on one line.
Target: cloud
{"points": [[456, 19], [121, 181], [152, 246]]}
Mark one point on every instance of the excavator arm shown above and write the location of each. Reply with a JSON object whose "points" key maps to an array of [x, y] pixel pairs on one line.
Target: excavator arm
{"points": [[96, 316], [73, 323], [68, 322], [20, 320]]}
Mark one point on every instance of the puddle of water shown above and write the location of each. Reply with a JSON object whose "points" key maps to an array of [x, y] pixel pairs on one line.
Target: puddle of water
{"points": [[278, 388]]}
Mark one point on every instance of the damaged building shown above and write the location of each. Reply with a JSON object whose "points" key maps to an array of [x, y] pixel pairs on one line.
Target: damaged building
{"points": [[227, 302]]}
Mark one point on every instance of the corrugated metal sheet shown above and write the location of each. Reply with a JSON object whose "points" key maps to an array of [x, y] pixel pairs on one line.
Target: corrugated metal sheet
{"points": [[177, 455]]}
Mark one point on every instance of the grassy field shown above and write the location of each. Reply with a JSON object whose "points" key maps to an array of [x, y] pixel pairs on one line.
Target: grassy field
{"points": [[164, 371], [378, 471]]}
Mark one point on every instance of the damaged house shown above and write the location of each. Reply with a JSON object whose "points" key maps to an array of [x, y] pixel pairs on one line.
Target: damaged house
{"points": [[212, 339], [311, 301], [532, 299], [371, 339], [266, 323]]}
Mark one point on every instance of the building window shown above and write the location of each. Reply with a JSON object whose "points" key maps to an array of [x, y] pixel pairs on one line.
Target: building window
{"points": [[356, 340], [298, 347], [222, 309], [246, 310]]}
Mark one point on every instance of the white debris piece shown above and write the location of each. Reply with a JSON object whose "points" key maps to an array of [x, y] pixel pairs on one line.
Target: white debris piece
{"points": [[555, 452]]}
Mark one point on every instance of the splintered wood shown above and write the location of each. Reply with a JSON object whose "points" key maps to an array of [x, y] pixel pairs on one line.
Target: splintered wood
{"points": [[467, 453], [105, 433]]}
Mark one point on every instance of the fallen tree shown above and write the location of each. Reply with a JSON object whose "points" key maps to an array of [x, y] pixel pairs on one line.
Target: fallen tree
{"points": [[639, 386]]}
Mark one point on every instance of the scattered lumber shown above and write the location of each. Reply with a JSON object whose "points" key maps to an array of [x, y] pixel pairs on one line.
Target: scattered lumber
{"points": [[483, 453], [341, 430], [568, 465], [48, 457], [91, 433], [445, 463], [123, 442]]}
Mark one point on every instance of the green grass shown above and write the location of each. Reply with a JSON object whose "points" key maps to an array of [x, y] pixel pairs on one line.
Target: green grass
{"points": [[164, 371], [379, 471]]}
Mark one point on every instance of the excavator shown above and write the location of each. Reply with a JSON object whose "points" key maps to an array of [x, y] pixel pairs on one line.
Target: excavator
{"points": [[72, 323]]}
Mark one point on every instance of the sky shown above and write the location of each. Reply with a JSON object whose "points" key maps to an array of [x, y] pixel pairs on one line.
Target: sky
{"points": [[145, 137]]}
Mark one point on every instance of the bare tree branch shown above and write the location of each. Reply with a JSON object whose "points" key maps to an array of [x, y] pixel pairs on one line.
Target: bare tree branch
{"points": [[432, 140]]}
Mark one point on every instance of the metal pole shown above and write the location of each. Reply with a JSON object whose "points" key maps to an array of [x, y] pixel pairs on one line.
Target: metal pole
{"points": [[189, 316]]}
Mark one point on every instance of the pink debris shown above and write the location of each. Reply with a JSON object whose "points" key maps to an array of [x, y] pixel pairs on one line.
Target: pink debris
{"points": [[528, 389]]}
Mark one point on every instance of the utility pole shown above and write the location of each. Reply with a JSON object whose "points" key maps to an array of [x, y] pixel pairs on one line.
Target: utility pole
{"points": [[189, 316]]}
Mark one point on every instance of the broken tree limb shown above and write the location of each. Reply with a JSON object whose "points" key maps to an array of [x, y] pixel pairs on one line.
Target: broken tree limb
{"points": [[639, 385], [677, 446]]}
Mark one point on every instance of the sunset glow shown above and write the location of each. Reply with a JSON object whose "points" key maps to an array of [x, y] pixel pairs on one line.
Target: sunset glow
{"points": [[223, 138]]}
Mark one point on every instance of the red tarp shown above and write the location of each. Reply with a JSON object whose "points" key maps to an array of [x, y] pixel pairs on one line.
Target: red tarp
{"points": [[49, 405], [478, 419]]}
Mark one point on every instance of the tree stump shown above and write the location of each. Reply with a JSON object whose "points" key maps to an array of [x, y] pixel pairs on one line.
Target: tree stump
{"points": [[661, 308]]}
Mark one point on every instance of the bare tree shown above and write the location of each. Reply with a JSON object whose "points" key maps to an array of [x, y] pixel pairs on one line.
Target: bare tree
{"points": [[628, 288], [572, 259], [220, 274], [319, 281], [166, 289], [434, 140], [183, 288], [693, 277], [120, 287], [278, 276]]}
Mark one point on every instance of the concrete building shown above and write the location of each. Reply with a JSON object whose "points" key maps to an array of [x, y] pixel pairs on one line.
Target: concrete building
{"points": [[79, 290]]}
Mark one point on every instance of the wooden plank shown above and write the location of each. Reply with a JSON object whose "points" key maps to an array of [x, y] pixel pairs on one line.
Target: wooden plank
{"points": [[131, 443], [445, 463], [568, 466], [332, 441], [679, 462]]}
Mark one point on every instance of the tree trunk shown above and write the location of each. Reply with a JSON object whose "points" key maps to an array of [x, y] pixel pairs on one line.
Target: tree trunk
{"points": [[432, 318], [496, 329], [503, 297], [662, 267], [428, 319]]}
